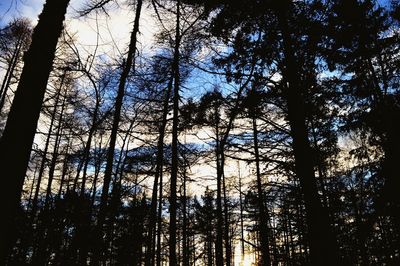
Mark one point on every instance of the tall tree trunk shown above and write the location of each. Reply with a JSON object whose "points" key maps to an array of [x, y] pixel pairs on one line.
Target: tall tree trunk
{"points": [[86, 152], [55, 153], [24, 114], [219, 255], [127, 66], [221, 140], [227, 240], [323, 246], [84, 162], [185, 247], [158, 173], [46, 226], [159, 218], [263, 211], [9, 73], [46, 147], [174, 144], [64, 168], [241, 209], [97, 168]]}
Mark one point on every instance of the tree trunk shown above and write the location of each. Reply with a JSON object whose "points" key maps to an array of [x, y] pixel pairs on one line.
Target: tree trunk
{"points": [[323, 247], [227, 240], [185, 247], [9, 73], [219, 255], [174, 144], [86, 153], [46, 147], [55, 153], [64, 168], [159, 218], [127, 66], [242, 250], [24, 113], [263, 211], [158, 173]]}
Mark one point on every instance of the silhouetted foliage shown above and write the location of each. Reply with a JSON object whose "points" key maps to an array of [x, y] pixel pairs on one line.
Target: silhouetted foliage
{"points": [[246, 133]]}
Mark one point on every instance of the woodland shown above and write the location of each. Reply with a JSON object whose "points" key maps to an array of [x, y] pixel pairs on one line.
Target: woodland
{"points": [[252, 132]]}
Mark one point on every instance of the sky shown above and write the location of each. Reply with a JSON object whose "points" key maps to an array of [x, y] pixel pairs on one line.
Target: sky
{"points": [[14, 8], [113, 38], [114, 29]]}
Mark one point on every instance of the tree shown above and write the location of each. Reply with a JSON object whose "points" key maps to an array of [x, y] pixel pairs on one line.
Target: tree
{"points": [[367, 57], [14, 39], [279, 20], [24, 113], [126, 69]]}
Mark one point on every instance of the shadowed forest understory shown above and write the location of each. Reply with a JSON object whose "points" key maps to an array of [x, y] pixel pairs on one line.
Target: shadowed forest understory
{"points": [[194, 132]]}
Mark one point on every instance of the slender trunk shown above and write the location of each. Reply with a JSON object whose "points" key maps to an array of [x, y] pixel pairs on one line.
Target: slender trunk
{"points": [[228, 250], [185, 248], [86, 153], [159, 217], [220, 146], [10, 70], [210, 259], [84, 162], [64, 169], [81, 238], [159, 166], [97, 168], [55, 153], [241, 214], [117, 188], [127, 66], [218, 245], [174, 144], [321, 170], [46, 147], [46, 226], [30, 199], [7, 74], [263, 211]]}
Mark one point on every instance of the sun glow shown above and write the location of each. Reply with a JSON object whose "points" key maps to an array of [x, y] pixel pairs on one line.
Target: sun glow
{"points": [[246, 259]]}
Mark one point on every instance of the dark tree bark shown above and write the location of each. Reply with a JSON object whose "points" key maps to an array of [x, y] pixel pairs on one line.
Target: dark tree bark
{"points": [[127, 66], [185, 246], [64, 167], [157, 176], [323, 246], [10, 71], [24, 113], [241, 209], [45, 151], [174, 145], [219, 245], [262, 209], [159, 218], [55, 152]]}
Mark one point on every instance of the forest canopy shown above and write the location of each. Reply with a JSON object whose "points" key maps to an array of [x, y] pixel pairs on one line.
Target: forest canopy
{"points": [[189, 132]]}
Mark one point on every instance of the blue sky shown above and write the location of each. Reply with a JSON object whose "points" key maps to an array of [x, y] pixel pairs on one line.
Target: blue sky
{"points": [[15, 8]]}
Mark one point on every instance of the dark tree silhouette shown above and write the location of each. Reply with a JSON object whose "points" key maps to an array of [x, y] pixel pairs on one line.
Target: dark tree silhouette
{"points": [[24, 113], [245, 132]]}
